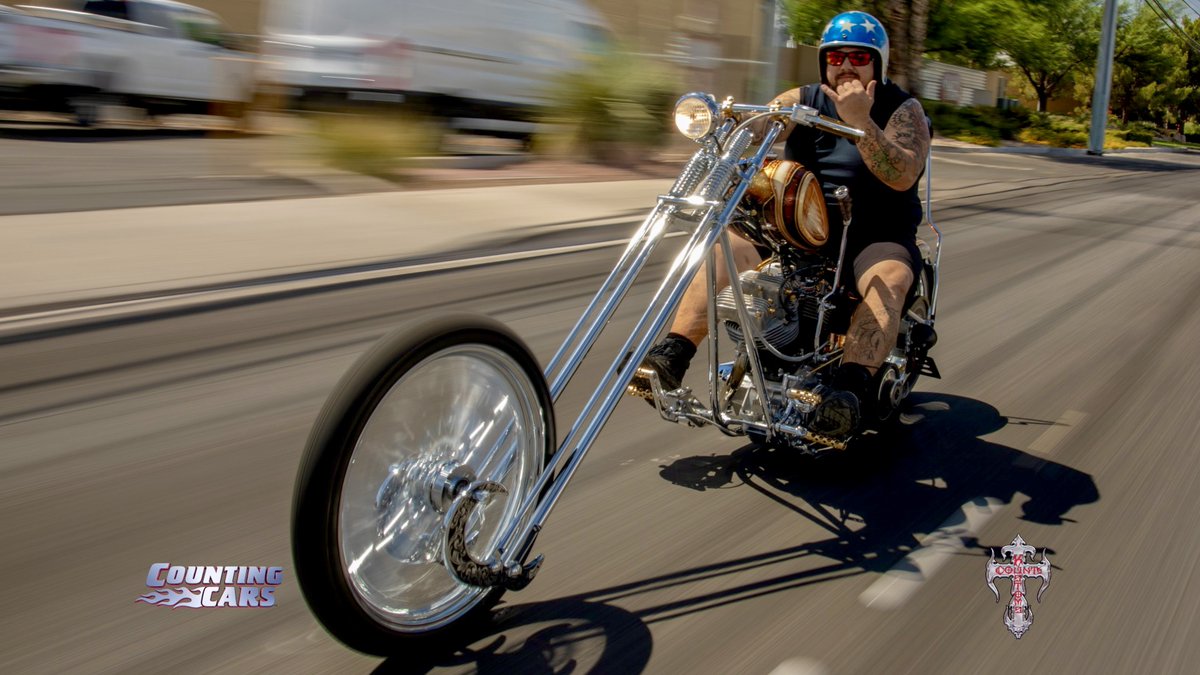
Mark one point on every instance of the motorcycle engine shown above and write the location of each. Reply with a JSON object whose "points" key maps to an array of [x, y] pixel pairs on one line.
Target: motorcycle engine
{"points": [[779, 303]]}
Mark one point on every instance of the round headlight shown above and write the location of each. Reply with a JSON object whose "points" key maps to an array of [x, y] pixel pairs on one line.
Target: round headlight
{"points": [[695, 115]]}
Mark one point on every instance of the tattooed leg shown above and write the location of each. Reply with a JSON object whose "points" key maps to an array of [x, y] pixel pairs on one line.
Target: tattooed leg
{"points": [[876, 322]]}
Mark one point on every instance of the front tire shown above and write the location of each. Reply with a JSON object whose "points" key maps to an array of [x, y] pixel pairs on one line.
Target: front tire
{"points": [[459, 396]]}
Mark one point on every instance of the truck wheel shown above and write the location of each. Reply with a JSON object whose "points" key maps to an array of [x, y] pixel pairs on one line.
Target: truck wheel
{"points": [[86, 109]]}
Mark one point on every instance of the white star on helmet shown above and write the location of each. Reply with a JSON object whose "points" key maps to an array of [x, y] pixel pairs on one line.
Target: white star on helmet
{"points": [[868, 25]]}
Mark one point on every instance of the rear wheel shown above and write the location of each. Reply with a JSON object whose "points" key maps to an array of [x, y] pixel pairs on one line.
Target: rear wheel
{"points": [[426, 412]]}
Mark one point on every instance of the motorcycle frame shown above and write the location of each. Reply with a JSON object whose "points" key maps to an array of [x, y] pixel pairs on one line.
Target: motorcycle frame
{"points": [[703, 211]]}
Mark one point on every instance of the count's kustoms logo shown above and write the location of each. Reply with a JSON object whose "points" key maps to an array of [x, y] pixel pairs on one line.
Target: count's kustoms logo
{"points": [[1018, 616], [207, 586]]}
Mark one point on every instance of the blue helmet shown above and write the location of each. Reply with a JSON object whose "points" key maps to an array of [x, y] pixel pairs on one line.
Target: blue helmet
{"points": [[856, 29]]}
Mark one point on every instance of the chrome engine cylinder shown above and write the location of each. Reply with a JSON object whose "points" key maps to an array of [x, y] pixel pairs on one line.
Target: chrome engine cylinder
{"points": [[773, 313]]}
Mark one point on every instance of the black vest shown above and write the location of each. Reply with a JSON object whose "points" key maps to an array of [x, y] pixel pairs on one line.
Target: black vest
{"points": [[880, 213]]}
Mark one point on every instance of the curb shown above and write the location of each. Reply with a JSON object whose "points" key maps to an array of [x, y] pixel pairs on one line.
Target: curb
{"points": [[955, 146]]}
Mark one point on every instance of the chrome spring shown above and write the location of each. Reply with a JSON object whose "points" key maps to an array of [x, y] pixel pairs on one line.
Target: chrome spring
{"points": [[696, 168], [718, 181]]}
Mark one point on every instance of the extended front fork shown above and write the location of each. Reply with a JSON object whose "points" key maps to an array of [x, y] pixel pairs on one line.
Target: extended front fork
{"points": [[702, 209]]}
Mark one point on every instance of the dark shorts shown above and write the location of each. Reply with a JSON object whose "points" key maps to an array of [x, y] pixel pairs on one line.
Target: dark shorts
{"points": [[877, 252], [880, 251]]}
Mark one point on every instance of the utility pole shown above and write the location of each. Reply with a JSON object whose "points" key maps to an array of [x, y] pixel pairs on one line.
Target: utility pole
{"points": [[1104, 63]]}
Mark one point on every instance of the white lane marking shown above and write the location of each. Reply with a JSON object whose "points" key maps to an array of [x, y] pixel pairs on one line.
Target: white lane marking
{"points": [[1052, 437], [319, 278], [906, 577], [800, 666], [963, 162]]}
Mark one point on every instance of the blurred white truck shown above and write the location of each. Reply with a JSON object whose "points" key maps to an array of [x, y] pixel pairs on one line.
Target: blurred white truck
{"points": [[484, 63], [159, 55]]}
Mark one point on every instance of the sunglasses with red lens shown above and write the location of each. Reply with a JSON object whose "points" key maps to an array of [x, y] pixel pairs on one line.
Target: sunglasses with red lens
{"points": [[857, 59]]}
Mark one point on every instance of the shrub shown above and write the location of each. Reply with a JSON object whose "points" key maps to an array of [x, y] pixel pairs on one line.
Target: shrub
{"points": [[1143, 127], [1054, 137], [616, 103], [1137, 136], [984, 125], [375, 143]]}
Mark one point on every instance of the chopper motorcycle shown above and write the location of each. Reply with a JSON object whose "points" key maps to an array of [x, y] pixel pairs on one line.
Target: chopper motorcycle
{"points": [[434, 465]]}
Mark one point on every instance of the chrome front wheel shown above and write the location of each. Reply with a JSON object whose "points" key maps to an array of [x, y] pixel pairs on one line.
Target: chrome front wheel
{"points": [[423, 416]]}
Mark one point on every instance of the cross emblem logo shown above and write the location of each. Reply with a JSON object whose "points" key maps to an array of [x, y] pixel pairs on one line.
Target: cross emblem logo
{"points": [[1018, 616]]}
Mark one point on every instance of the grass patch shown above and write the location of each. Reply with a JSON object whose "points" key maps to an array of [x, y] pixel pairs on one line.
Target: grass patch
{"points": [[1176, 144]]}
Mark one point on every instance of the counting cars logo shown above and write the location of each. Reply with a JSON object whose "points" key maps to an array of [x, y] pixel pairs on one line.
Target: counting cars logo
{"points": [[1018, 616], [199, 587]]}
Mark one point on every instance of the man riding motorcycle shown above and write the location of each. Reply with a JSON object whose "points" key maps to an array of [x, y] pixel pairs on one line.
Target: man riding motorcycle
{"points": [[882, 170]]}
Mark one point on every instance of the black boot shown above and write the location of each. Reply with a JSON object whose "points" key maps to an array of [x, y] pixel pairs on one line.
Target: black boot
{"points": [[669, 358], [839, 413]]}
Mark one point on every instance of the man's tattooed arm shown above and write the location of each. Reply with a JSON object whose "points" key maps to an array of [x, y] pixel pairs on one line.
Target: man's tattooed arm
{"points": [[896, 154]]}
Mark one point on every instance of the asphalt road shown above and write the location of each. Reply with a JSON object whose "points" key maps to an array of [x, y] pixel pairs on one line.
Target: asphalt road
{"points": [[50, 167], [1067, 415]]}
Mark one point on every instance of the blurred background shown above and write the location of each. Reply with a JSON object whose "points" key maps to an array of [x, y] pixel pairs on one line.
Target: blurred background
{"points": [[209, 211], [367, 85]]}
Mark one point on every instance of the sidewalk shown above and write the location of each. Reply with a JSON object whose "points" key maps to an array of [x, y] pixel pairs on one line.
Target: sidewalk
{"points": [[65, 259], [62, 260]]}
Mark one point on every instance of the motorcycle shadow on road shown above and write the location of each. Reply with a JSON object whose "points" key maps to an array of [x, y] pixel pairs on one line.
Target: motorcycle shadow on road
{"points": [[887, 489], [874, 499], [566, 637]]}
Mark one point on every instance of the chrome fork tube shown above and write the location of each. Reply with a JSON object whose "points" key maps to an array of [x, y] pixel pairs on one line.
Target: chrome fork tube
{"points": [[567, 360], [748, 333], [716, 385], [612, 385]]}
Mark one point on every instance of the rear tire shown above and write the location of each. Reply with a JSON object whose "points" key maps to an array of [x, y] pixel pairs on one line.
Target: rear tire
{"points": [[460, 393]]}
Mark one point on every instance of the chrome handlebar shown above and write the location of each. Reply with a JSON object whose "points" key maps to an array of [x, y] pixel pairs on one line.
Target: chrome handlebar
{"points": [[800, 114]]}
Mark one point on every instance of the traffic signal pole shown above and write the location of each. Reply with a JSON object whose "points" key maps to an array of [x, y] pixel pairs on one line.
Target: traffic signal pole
{"points": [[1104, 63]]}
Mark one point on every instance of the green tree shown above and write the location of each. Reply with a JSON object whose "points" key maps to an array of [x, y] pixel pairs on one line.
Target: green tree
{"points": [[968, 32], [1189, 105], [1050, 41], [1144, 59]]}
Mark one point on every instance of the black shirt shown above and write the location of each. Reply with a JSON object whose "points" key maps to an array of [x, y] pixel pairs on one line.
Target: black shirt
{"points": [[879, 212]]}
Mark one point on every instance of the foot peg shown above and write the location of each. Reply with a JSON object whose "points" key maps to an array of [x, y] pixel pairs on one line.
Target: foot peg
{"points": [[462, 565], [643, 384], [923, 336]]}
